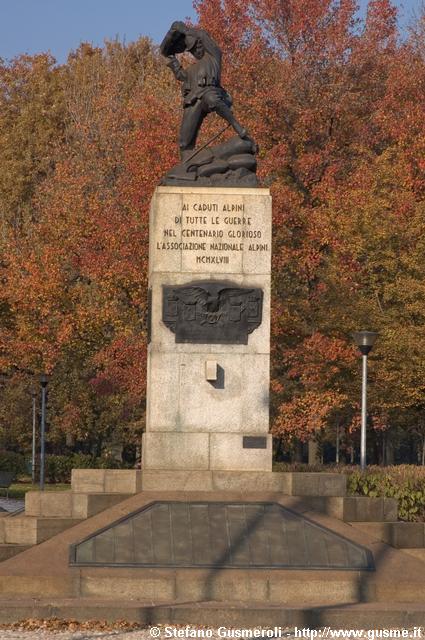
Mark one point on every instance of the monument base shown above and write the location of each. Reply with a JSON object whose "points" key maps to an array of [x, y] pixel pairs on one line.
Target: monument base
{"points": [[209, 349], [204, 451], [235, 589], [113, 481]]}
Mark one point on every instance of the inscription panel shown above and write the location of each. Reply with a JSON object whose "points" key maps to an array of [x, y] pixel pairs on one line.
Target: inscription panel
{"points": [[254, 442], [212, 234]]}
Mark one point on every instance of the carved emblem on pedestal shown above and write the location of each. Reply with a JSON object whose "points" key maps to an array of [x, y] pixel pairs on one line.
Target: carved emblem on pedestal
{"points": [[212, 312]]}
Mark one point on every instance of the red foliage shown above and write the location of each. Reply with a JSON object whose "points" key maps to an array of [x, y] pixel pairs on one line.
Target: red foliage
{"points": [[338, 110]]}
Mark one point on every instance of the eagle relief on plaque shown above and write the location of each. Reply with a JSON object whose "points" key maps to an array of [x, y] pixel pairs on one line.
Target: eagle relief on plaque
{"points": [[212, 312]]}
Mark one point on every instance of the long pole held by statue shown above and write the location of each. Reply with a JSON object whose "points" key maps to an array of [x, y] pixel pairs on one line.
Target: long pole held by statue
{"points": [[217, 135]]}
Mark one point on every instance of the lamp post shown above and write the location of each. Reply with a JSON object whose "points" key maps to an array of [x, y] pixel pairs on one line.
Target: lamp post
{"points": [[44, 379], [33, 396], [364, 341]]}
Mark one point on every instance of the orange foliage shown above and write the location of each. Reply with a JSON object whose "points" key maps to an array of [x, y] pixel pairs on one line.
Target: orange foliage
{"points": [[338, 109]]}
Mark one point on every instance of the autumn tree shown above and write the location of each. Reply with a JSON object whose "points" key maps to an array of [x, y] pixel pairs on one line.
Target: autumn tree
{"points": [[76, 283], [336, 104]]}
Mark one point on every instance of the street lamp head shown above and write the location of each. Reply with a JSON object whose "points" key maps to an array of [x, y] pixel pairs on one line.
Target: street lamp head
{"points": [[365, 340], [44, 379]]}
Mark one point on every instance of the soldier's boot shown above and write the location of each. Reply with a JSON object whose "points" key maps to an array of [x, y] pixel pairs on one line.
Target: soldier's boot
{"points": [[185, 154], [227, 114]]}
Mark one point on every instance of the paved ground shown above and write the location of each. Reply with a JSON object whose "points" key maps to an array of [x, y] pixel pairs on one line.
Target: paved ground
{"points": [[80, 635], [141, 634], [201, 632], [77, 635], [11, 505], [89, 635]]}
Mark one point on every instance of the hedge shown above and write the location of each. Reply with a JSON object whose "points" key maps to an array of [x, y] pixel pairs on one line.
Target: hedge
{"points": [[57, 467], [10, 461], [405, 482]]}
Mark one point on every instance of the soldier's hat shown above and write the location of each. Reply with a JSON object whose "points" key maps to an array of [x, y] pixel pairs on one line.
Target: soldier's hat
{"points": [[176, 42]]}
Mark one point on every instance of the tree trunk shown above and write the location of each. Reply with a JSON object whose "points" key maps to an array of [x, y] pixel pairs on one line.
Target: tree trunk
{"points": [[337, 444], [298, 451], [313, 452], [389, 452], [278, 454]]}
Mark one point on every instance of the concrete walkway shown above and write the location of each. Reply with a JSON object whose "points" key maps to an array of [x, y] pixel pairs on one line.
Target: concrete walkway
{"points": [[148, 634], [141, 634], [77, 635]]}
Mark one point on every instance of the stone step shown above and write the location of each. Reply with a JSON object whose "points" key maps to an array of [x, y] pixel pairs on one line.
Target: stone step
{"points": [[281, 588], [356, 508], [28, 530], [401, 535], [287, 483], [124, 481], [286, 588], [314, 484], [393, 615], [394, 577], [131, 481], [10, 550], [68, 504], [419, 554]]}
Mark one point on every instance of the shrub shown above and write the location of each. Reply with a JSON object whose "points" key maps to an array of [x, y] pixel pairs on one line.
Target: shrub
{"points": [[83, 461], [404, 482], [58, 468], [11, 461], [107, 462]]}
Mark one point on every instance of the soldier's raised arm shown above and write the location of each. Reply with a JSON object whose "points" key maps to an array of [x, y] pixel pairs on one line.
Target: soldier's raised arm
{"points": [[174, 42], [176, 68]]}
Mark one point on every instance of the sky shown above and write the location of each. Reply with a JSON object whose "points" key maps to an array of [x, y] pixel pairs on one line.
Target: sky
{"points": [[59, 26]]}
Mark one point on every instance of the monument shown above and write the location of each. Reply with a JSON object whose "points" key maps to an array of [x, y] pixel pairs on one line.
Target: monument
{"points": [[205, 533], [209, 288], [229, 164]]}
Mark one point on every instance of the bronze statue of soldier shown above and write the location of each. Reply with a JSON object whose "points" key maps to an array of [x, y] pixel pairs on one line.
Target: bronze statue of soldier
{"points": [[201, 83]]}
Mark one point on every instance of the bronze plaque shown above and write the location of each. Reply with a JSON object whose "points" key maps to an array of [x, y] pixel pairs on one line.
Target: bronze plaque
{"points": [[212, 312]]}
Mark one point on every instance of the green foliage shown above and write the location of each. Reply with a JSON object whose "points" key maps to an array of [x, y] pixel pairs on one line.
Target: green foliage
{"points": [[10, 461], [107, 462], [311, 468], [58, 468], [406, 483], [18, 490]]}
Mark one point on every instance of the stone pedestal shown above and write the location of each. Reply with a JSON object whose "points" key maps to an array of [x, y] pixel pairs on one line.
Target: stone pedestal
{"points": [[209, 350]]}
